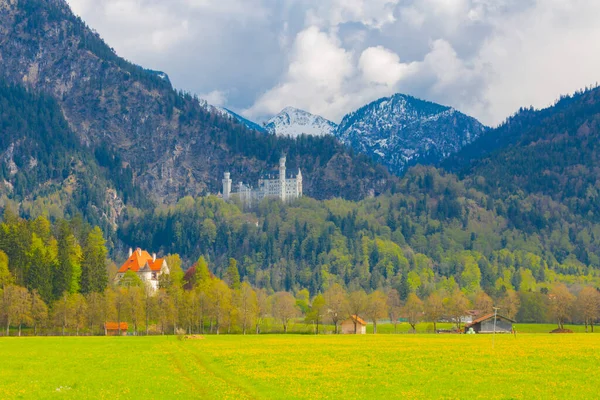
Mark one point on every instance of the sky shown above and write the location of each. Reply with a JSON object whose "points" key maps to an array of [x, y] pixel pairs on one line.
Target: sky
{"points": [[485, 58]]}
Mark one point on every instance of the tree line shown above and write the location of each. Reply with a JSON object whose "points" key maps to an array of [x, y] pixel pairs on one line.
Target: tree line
{"points": [[205, 304]]}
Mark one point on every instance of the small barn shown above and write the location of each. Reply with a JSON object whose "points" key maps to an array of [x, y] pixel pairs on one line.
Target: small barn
{"points": [[348, 326], [485, 324], [112, 328]]}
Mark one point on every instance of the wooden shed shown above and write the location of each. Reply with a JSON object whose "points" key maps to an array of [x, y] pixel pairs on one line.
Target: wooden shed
{"points": [[354, 324], [112, 328], [485, 324]]}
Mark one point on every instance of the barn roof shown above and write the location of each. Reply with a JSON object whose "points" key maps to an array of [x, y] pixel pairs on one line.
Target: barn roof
{"points": [[114, 326], [357, 319], [138, 259], [489, 316]]}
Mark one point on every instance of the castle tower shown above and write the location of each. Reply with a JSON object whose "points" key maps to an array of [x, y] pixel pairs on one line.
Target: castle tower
{"points": [[282, 178], [299, 181], [227, 186]]}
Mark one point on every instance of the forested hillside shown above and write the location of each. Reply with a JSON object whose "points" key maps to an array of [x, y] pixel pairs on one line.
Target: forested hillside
{"points": [[550, 155], [46, 171], [57, 279], [436, 230]]}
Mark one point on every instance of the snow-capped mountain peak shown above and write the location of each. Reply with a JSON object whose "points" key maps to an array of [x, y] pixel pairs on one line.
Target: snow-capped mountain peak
{"points": [[293, 122], [400, 131]]}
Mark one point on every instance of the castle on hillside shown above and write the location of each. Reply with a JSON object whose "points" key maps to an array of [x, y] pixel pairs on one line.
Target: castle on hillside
{"points": [[271, 185]]}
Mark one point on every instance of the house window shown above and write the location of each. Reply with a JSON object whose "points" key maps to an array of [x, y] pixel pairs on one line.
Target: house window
{"points": [[154, 275]]}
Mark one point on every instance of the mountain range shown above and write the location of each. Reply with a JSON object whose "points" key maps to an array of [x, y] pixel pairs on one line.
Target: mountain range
{"points": [[397, 131]]}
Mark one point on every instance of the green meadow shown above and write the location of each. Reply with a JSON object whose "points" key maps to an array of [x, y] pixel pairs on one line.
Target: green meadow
{"points": [[527, 366]]}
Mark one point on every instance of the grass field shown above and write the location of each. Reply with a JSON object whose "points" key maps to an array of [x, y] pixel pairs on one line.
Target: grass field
{"points": [[301, 366]]}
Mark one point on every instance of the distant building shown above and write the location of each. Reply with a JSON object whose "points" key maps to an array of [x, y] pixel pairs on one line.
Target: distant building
{"points": [[112, 328], [147, 267], [271, 185], [348, 326], [485, 324]]}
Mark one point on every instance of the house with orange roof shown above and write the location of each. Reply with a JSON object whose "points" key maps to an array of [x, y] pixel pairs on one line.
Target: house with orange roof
{"points": [[354, 325], [147, 267], [115, 328]]}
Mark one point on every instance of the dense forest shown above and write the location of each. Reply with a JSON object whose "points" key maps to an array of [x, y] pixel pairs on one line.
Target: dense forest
{"points": [[45, 170], [435, 229], [551, 154], [57, 279]]}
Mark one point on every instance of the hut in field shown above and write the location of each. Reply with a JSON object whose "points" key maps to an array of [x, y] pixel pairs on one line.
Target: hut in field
{"points": [[485, 324], [112, 328], [354, 324]]}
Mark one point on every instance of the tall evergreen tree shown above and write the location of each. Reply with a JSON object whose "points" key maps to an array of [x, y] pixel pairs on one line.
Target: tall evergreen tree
{"points": [[67, 273], [94, 276], [232, 275], [41, 268]]}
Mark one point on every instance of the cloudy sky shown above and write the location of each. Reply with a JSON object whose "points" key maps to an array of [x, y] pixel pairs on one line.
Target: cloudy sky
{"points": [[484, 57]]}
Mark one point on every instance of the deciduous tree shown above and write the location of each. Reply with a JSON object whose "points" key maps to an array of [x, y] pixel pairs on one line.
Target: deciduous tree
{"points": [[248, 306], [434, 309], [456, 306], [394, 307], [284, 308], [561, 304], [376, 308], [336, 303], [357, 304], [509, 304], [483, 303], [413, 309], [220, 296], [588, 306], [39, 311], [262, 302], [317, 311]]}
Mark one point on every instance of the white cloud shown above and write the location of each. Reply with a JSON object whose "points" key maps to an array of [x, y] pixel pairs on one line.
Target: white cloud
{"points": [[215, 98], [382, 66], [371, 13], [540, 54], [318, 69], [485, 57]]}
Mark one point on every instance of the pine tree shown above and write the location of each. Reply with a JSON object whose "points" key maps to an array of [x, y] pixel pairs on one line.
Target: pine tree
{"points": [[94, 276], [67, 273], [40, 271], [232, 275]]}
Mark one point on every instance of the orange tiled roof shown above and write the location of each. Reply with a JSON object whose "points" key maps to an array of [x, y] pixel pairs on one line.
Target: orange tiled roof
{"points": [[358, 319], [139, 258], [114, 326]]}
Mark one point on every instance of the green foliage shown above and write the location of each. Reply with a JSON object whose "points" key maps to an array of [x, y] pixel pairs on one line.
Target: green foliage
{"points": [[94, 275], [232, 275], [395, 241], [131, 279], [6, 277]]}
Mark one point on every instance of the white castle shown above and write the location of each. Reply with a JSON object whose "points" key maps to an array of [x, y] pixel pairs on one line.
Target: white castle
{"points": [[269, 186]]}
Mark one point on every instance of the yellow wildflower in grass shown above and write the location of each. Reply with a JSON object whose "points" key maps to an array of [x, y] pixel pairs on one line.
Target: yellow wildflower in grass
{"points": [[530, 366]]}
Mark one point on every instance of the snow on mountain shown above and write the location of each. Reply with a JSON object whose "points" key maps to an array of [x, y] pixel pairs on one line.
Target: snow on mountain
{"points": [[294, 122], [401, 131]]}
